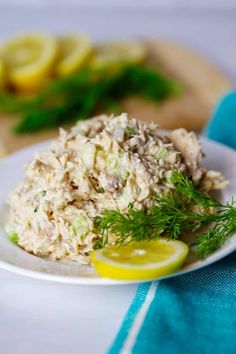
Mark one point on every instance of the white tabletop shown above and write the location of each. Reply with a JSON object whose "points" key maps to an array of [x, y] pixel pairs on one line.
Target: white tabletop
{"points": [[38, 317]]}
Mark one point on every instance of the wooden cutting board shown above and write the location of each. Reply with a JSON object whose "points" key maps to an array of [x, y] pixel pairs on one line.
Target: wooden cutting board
{"points": [[203, 85]]}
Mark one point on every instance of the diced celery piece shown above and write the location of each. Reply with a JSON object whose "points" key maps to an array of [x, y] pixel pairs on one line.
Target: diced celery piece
{"points": [[168, 177], [12, 235], [162, 153], [82, 225], [116, 166]]}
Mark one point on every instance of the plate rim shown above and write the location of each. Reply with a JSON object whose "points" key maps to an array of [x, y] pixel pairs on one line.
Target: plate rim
{"points": [[95, 281]]}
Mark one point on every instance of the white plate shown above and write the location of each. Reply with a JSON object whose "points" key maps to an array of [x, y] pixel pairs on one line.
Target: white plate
{"points": [[13, 259]]}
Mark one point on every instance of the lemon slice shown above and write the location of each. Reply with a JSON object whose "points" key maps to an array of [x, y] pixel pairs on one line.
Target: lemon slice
{"points": [[2, 74], [73, 53], [115, 54], [29, 60], [140, 261]]}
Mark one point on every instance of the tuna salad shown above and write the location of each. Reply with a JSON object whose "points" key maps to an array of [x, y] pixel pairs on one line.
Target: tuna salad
{"points": [[107, 162]]}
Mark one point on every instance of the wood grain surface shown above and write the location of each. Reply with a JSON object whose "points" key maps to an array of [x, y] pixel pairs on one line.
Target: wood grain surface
{"points": [[203, 85]]}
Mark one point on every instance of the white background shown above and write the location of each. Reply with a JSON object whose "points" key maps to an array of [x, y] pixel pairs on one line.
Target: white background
{"points": [[207, 26], [132, 3], [37, 317]]}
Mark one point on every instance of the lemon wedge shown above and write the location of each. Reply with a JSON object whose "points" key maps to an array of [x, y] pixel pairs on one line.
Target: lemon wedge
{"points": [[29, 60], [73, 53], [140, 261], [112, 55]]}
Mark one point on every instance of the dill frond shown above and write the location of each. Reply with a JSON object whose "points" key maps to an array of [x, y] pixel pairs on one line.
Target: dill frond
{"points": [[221, 230], [82, 95], [171, 215]]}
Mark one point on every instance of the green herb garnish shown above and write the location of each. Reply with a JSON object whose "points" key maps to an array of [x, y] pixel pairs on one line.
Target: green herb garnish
{"points": [[100, 189], [172, 214], [213, 239], [130, 132], [84, 94]]}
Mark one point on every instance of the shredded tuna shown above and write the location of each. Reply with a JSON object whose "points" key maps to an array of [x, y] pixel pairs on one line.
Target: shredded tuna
{"points": [[103, 163]]}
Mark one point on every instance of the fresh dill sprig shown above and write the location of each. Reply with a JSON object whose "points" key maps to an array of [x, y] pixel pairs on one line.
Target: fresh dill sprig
{"points": [[86, 93], [172, 214], [216, 236], [133, 225], [186, 189]]}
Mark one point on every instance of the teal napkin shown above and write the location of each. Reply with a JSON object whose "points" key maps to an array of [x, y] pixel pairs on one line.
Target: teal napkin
{"points": [[194, 313], [222, 125]]}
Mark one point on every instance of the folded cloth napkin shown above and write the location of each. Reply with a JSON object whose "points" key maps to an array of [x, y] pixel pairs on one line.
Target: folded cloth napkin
{"points": [[194, 313]]}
